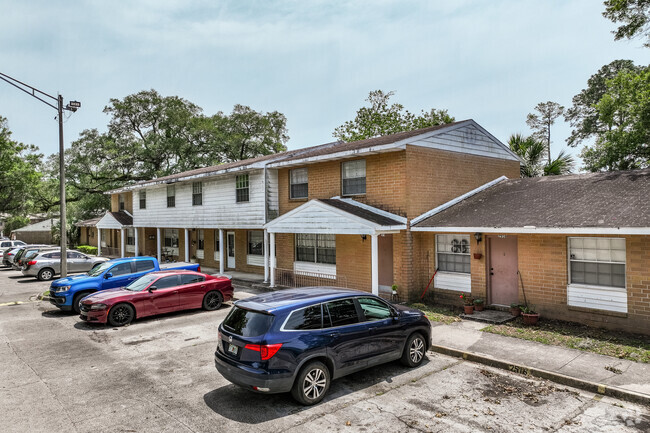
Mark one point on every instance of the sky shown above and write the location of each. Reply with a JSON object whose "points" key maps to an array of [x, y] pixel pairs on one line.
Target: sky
{"points": [[314, 61]]}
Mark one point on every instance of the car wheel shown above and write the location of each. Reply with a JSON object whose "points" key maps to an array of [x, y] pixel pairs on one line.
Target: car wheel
{"points": [[414, 350], [45, 274], [121, 314], [76, 301], [311, 384], [212, 300]]}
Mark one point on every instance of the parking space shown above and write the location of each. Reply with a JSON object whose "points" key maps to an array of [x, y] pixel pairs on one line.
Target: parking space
{"points": [[60, 374]]}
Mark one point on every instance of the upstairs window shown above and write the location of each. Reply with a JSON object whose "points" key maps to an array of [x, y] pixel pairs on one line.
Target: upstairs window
{"points": [[316, 248], [120, 201], [597, 261], [452, 253], [171, 195], [299, 183], [142, 195], [197, 193], [241, 187], [255, 243], [353, 175]]}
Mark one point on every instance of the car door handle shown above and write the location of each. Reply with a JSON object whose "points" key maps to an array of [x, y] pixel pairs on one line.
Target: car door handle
{"points": [[203, 287], [334, 334]]}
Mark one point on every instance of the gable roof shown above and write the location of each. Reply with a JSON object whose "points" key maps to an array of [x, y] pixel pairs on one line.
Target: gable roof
{"points": [[614, 202], [43, 226], [115, 220], [88, 223]]}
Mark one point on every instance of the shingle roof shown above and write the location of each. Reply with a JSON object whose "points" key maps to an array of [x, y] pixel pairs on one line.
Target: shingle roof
{"points": [[598, 200], [122, 217], [88, 223], [43, 226], [361, 212]]}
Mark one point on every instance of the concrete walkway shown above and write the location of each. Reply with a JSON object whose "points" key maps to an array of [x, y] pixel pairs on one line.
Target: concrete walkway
{"points": [[601, 374]]}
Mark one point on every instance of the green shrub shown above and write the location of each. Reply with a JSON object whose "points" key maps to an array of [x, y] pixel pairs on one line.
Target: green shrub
{"points": [[87, 249]]}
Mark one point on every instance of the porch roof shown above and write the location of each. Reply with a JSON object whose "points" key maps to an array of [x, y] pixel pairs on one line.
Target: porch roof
{"points": [[115, 220], [337, 216]]}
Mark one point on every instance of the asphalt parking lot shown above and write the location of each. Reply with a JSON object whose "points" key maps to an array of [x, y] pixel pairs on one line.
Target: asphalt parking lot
{"points": [[60, 374]]}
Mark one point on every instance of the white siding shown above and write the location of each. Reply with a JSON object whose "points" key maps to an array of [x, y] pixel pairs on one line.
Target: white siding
{"points": [[219, 208], [316, 219], [309, 268], [453, 281], [466, 139], [272, 194], [600, 298]]}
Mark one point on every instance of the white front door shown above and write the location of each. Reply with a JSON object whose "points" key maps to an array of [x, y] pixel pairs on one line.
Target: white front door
{"points": [[230, 249]]}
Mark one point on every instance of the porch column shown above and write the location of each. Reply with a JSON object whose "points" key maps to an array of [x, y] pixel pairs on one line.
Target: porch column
{"points": [[99, 241], [375, 263], [222, 256], [266, 256], [137, 240], [122, 241], [158, 253], [272, 251], [187, 245]]}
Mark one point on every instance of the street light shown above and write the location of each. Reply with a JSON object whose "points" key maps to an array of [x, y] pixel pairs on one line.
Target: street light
{"points": [[72, 106]]}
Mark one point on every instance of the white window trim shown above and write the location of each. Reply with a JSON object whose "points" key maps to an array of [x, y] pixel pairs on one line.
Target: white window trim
{"points": [[461, 254], [365, 176], [291, 184], [594, 286]]}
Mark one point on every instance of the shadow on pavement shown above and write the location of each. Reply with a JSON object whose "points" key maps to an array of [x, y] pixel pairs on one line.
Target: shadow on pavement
{"points": [[29, 280], [231, 401]]}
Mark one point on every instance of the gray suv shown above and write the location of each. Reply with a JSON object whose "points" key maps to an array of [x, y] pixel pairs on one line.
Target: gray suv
{"points": [[46, 264]]}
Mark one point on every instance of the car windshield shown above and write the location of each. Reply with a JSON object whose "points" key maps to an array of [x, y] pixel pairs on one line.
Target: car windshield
{"points": [[141, 283], [99, 269]]}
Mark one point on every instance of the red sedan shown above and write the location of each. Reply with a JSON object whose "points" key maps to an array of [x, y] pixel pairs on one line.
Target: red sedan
{"points": [[156, 293]]}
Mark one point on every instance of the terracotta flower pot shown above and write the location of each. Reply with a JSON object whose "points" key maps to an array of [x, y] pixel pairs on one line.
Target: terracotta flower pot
{"points": [[469, 309], [479, 307], [530, 318], [515, 311], [478, 256]]}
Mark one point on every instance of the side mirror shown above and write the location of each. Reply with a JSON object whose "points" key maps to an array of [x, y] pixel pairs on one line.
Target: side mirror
{"points": [[394, 313], [108, 275], [152, 288]]}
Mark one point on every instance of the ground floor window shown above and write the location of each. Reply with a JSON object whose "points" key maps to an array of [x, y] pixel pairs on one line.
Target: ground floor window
{"points": [[130, 236], [200, 243], [255, 243], [452, 253], [597, 261], [316, 248], [171, 238], [217, 254]]}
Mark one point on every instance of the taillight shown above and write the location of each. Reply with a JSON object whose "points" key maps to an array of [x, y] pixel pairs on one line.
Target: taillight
{"points": [[31, 262], [266, 350], [199, 269], [10, 254]]}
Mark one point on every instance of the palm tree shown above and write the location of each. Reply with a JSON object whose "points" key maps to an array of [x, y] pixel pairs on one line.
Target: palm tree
{"points": [[531, 151]]}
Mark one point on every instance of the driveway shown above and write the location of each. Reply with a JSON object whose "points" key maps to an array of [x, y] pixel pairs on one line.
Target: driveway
{"points": [[158, 375]]}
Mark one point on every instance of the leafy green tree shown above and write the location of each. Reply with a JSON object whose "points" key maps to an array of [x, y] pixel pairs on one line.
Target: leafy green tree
{"points": [[624, 110], [380, 118], [634, 16], [531, 151], [542, 121], [15, 222]]}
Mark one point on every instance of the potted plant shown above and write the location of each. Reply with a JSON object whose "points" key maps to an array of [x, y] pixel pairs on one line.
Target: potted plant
{"points": [[394, 289], [193, 259], [479, 304], [529, 315], [468, 303], [515, 309], [478, 256]]}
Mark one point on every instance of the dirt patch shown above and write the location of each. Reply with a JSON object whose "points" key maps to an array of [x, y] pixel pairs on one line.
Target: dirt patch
{"points": [[502, 387]]}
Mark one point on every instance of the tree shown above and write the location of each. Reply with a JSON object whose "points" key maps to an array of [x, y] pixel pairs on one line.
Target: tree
{"points": [[583, 116], [624, 110], [541, 122], [531, 151], [635, 16], [382, 119]]}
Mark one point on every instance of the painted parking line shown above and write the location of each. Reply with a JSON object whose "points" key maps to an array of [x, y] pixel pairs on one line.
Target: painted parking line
{"points": [[6, 304]]}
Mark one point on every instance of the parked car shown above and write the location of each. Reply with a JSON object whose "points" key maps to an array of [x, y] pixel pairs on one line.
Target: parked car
{"points": [[8, 245], [156, 293], [22, 257], [8, 256], [45, 264], [17, 252], [66, 293], [299, 340]]}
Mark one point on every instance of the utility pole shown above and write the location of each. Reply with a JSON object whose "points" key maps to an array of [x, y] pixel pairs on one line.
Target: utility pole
{"points": [[72, 106]]}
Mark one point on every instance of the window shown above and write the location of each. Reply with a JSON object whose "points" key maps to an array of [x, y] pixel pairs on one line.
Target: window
{"points": [[197, 193], [299, 183], [142, 195], [74, 255], [130, 236], [342, 312], [191, 279], [56, 255], [166, 282], [121, 269], [171, 195], [452, 253], [305, 318], [374, 309], [200, 239], [241, 187], [255, 243], [171, 238], [353, 175], [216, 241], [597, 261], [144, 265], [316, 248], [247, 323], [120, 201]]}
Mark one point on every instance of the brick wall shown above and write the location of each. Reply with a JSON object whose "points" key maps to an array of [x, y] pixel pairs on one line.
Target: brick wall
{"points": [[128, 202], [353, 261]]}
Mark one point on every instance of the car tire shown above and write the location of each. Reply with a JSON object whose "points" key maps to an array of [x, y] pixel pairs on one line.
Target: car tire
{"points": [[121, 314], [45, 274], [76, 301], [414, 350], [312, 383], [212, 300]]}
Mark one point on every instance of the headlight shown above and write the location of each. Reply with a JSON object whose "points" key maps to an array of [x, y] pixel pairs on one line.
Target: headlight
{"points": [[98, 307], [60, 289]]}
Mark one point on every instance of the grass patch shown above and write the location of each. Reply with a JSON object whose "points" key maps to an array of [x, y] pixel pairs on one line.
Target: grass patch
{"points": [[438, 314], [576, 336]]}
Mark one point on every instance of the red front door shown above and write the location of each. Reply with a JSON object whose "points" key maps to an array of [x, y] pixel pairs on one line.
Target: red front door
{"points": [[504, 280]]}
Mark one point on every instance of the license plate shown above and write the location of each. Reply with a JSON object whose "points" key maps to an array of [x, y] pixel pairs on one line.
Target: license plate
{"points": [[232, 349]]}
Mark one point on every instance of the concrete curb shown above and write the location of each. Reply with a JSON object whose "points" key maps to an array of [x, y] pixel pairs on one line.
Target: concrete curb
{"points": [[596, 388]]}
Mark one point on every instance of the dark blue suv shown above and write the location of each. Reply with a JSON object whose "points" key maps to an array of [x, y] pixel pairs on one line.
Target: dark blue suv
{"points": [[298, 340]]}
